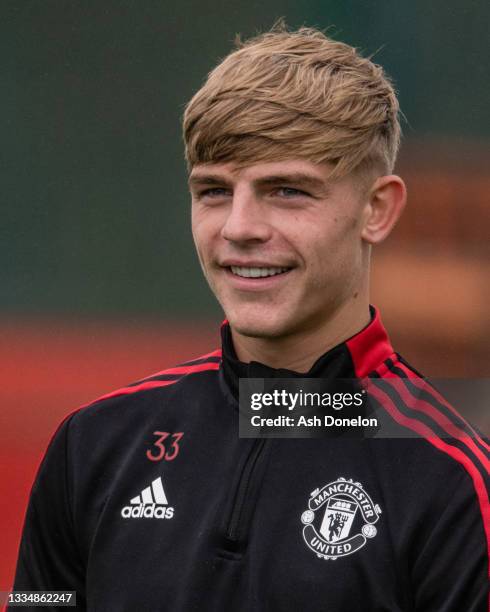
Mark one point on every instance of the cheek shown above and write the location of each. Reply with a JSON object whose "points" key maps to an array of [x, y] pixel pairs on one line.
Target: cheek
{"points": [[207, 223], [332, 251], [200, 242], [202, 231]]}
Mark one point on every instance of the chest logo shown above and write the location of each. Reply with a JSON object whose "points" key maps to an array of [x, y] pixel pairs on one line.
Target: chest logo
{"points": [[340, 519], [150, 503]]}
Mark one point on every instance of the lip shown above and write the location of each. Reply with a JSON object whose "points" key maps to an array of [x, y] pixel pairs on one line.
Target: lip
{"points": [[261, 283], [252, 263]]}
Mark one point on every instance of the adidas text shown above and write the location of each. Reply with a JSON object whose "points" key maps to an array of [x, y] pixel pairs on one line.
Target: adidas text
{"points": [[148, 511]]}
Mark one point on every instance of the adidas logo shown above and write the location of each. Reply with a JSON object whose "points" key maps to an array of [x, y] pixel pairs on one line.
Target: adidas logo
{"points": [[151, 503]]}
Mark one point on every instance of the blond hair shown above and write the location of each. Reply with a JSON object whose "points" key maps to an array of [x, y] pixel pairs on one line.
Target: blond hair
{"points": [[294, 94]]}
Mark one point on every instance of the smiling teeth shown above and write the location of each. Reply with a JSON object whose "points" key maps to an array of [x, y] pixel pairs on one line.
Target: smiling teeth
{"points": [[257, 272]]}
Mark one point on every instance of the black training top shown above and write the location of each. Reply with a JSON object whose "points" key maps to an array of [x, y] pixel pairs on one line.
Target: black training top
{"points": [[148, 500]]}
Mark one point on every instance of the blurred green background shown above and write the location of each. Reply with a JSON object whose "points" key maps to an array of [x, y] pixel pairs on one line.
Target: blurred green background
{"points": [[95, 213]]}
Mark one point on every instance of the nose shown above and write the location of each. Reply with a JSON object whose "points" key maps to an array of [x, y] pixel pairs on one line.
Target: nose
{"points": [[246, 220]]}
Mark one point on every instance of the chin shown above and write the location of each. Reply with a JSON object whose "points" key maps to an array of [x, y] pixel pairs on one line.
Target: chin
{"points": [[258, 326]]}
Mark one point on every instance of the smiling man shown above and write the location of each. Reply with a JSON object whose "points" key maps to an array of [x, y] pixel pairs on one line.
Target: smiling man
{"points": [[148, 499]]}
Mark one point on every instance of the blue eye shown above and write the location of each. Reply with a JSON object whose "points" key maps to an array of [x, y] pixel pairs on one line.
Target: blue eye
{"points": [[214, 192], [290, 192]]}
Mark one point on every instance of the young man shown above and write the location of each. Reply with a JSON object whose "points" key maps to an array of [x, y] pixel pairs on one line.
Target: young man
{"points": [[148, 499]]}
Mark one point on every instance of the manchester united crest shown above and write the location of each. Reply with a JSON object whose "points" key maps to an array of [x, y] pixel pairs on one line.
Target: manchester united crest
{"points": [[340, 519]]}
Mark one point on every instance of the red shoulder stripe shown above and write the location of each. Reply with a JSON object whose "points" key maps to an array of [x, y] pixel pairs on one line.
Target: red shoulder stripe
{"points": [[216, 353], [419, 405], [153, 384], [421, 384], [190, 367], [425, 432], [384, 371]]}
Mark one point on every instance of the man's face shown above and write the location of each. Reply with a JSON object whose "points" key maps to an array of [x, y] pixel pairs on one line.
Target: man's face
{"points": [[280, 245]]}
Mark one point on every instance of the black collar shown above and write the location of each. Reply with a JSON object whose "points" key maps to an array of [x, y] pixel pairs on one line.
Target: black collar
{"points": [[353, 358]]}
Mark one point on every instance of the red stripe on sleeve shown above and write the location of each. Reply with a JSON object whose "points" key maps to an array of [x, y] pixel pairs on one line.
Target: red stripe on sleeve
{"points": [[153, 384], [426, 433], [216, 353], [420, 405], [189, 369], [421, 384]]}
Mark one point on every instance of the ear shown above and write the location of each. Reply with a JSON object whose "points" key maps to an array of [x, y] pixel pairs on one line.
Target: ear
{"points": [[387, 199]]}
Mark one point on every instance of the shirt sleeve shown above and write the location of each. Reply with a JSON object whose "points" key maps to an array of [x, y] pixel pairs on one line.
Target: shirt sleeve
{"points": [[451, 566], [49, 558]]}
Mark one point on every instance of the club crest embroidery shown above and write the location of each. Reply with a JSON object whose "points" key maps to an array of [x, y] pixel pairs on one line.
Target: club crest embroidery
{"points": [[340, 519]]}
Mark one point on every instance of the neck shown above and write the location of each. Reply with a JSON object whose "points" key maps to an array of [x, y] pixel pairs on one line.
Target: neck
{"points": [[300, 350]]}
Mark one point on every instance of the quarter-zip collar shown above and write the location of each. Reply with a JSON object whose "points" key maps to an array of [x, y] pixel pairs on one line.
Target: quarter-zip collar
{"points": [[356, 357]]}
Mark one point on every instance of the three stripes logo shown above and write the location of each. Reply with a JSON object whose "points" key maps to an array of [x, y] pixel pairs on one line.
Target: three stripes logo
{"points": [[151, 503]]}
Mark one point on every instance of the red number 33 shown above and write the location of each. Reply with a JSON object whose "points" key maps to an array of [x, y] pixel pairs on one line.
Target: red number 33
{"points": [[162, 453]]}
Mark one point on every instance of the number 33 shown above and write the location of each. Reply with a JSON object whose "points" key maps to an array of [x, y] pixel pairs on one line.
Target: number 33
{"points": [[162, 452]]}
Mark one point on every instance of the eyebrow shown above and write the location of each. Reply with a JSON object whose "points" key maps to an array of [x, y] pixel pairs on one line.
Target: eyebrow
{"points": [[207, 179], [297, 178]]}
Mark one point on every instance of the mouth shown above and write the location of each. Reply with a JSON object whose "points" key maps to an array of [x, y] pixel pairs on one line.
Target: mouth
{"points": [[256, 278], [257, 272]]}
